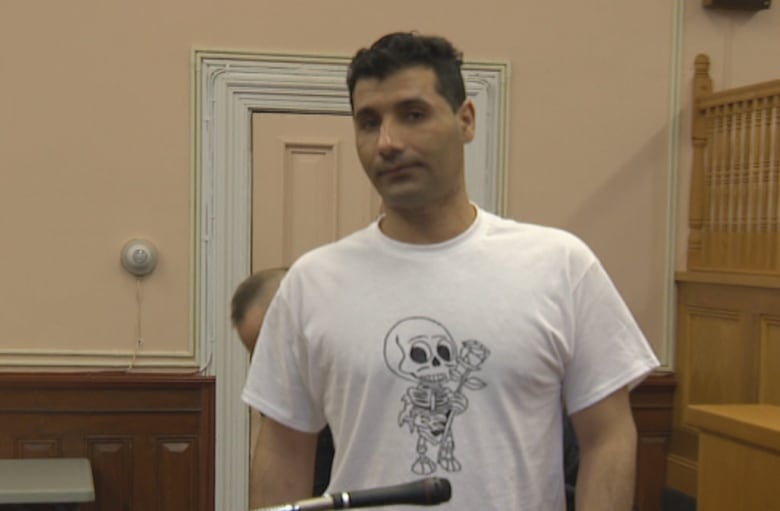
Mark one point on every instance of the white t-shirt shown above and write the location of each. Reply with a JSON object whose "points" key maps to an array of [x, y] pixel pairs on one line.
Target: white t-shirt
{"points": [[449, 360]]}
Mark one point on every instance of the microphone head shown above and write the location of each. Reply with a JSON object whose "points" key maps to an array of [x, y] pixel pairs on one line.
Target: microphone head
{"points": [[422, 492], [437, 490]]}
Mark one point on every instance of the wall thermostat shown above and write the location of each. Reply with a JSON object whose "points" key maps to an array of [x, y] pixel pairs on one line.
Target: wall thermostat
{"points": [[139, 257]]}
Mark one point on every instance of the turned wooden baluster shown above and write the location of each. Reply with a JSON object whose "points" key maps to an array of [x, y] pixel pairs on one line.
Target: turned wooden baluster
{"points": [[755, 244], [772, 151], [702, 86], [765, 198], [730, 183], [741, 184]]}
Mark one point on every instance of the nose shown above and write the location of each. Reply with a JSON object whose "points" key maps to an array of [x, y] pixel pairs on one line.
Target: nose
{"points": [[389, 142]]}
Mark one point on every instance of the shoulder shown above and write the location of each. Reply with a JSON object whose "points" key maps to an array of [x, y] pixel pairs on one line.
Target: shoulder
{"points": [[541, 237], [335, 255]]}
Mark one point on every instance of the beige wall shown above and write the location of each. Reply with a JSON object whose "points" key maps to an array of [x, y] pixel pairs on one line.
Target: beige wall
{"points": [[96, 142]]}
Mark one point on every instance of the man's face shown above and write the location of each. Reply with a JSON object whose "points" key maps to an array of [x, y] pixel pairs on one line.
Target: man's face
{"points": [[409, 140]]}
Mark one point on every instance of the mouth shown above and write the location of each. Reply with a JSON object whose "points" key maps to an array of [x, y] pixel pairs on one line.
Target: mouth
{"points": [[396, 169], [434, 378]]}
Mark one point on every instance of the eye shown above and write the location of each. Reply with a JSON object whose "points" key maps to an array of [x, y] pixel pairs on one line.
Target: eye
{"points": [[415, 115], [367, 123], [444, 352], [419, 354]]}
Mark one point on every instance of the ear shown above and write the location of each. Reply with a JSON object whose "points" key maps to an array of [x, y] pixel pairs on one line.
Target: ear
{"points": [[467, 117]]}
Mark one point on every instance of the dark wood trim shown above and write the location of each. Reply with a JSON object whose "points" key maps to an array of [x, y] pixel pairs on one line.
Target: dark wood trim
{"points": [[652, 403], [149, 437]]}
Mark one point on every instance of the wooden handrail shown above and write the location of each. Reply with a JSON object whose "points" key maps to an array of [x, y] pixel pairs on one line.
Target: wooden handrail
{"points": [[745, 93]]}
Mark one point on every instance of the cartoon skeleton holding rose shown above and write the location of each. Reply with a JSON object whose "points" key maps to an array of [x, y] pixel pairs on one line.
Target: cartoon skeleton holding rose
{"points": [[421, 350]]}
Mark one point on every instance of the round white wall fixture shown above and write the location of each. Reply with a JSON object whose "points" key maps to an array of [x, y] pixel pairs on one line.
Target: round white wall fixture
{"points": [[139, 257]]}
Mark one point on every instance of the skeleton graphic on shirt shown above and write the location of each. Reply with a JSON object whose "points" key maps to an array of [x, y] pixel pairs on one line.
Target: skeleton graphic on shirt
{"points": [[421, 350]]}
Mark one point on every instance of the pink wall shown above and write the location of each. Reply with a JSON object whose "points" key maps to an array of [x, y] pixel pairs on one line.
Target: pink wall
{"points": [[96, 144]]}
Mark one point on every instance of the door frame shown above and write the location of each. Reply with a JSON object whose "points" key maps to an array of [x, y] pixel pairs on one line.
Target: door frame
{"points": [[228, 88]]}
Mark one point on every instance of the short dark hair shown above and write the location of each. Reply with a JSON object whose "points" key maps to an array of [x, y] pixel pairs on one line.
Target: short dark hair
{"points": [[401, 50], [250, 290]]}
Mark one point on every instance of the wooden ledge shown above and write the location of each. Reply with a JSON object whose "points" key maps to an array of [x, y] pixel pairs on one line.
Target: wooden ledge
{"points": [[729, 278], [757, 424]]}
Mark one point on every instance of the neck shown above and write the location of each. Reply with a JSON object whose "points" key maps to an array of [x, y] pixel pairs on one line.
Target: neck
{"points": [[427, 224]]}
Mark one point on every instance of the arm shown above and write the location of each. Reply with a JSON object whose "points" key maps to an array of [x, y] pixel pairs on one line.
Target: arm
{"points": [[282, 468], [607, 438]]}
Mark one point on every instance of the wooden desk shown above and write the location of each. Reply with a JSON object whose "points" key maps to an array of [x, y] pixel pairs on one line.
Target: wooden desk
{"points": [[739, 456], [46, 480]]}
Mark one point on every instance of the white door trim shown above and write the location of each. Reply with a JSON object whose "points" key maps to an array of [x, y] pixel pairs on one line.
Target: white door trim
{"points": [[228, 88]]}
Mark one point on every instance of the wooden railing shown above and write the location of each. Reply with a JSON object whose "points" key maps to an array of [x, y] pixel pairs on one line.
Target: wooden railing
{"points": [[735, 181]]}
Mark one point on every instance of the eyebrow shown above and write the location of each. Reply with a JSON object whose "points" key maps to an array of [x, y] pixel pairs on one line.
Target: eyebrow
{"points": [[364, 112], [402, 105]]}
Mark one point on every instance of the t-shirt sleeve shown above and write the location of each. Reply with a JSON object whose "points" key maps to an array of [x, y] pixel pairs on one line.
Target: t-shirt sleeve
{"points": [[609, 350], [276, 384]]}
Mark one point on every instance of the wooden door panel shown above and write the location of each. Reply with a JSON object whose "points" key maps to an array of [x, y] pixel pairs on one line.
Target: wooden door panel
{"points": [[308, 186]]}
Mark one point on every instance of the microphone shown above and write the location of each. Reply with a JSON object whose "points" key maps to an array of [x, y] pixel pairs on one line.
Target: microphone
{"points": [[424, 492]]}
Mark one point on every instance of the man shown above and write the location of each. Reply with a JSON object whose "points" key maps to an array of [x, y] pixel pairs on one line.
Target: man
{"points": [[247, 310], [443, 340]]}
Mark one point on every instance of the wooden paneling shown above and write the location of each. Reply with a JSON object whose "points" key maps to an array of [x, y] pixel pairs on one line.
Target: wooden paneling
{"points": [[739, 458], [769, 379], [149, 438], [727, 352]]}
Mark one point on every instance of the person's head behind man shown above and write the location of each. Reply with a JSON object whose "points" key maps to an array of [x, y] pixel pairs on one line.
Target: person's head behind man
{"points": [[250, 302]]}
